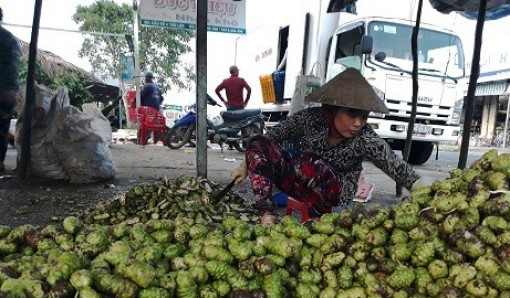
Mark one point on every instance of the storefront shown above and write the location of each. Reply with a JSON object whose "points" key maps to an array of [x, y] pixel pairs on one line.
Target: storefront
{"points": [[491, 101]]}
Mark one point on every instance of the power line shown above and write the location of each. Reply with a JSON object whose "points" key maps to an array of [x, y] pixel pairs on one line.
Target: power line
{"points": [[66, 30]]}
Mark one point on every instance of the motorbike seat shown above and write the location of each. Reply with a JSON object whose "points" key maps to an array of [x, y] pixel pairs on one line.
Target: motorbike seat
{"points": [[239, 114]]}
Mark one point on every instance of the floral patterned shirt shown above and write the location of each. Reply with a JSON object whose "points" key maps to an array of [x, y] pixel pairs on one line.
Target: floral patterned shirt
{"points": [[311, 127]]}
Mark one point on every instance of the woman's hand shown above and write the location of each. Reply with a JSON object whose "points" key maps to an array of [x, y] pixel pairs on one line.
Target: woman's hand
{"points": [[240, 173], [267, 219], [422, 182]]}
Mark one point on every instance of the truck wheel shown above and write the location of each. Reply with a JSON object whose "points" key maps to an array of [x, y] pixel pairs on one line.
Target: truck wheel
{"points": [[420, 152]]}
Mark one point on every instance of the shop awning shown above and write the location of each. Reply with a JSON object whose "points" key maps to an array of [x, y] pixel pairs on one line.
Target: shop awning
{"points": [[491, 88], [496, 9]]}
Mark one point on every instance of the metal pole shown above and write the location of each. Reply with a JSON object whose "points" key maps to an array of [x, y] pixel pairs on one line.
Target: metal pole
{"points": [[475, 71], [201, 60], [27, 113], [414, 50], [506, 122], [235, 50], [121, 102], [412, 118], [137, 52]]}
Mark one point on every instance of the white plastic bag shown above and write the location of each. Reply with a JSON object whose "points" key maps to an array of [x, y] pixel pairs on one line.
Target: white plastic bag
{"points": [[67, 143], [81, 147], [100, 124], [44, 162], [305, 84]]}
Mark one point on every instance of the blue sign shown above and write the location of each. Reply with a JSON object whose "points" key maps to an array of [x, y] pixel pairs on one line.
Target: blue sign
{"points": [[127, 64]]}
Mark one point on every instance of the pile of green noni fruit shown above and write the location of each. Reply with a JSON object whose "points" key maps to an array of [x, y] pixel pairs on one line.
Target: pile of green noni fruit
{"points": [[166, 198], [451, 239]]}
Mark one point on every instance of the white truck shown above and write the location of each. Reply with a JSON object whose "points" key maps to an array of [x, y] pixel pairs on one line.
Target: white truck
{"points": [[380, 47]]}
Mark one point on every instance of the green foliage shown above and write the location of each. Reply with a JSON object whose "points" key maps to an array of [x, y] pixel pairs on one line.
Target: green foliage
{"points": [[75, 84], [160, 49], [41, 76], [78, 95]]}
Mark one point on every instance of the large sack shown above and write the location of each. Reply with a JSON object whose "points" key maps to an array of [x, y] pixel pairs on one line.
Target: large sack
{"points": [[44, 162], [81, 146], [66, 143], [100, 124]]}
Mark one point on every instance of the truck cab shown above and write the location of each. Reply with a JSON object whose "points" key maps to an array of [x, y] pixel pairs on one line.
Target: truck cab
{"points": [[380, 49]]}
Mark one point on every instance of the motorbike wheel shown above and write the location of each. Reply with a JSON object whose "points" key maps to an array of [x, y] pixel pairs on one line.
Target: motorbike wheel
{"points": [[177, 137], [242, 144]]}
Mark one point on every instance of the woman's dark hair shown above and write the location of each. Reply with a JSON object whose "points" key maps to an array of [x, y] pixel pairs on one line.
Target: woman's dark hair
{"points": [[1, 15], [356, 112], [329, 112], [332, 110]]}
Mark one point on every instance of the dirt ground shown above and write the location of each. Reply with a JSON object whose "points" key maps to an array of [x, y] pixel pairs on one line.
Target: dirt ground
{"points": [[41, 202]]}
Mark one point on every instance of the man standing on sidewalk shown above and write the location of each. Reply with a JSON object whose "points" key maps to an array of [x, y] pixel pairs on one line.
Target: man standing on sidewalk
{"points": [[10, 56], [234, 87]]}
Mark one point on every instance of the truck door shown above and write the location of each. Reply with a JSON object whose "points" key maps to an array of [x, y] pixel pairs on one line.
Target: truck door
{"points": [[283, 44], [345, 50]]}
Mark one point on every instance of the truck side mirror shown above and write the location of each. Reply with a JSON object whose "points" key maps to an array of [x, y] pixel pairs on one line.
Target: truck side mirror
{"points": [[380, 56], [367, 44]]}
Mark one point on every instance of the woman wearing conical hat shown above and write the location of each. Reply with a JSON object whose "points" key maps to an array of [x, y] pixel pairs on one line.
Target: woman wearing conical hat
{"points": [[335, 139]]}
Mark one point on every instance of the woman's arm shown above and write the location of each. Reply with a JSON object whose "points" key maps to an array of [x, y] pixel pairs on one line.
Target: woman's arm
{"points": [[382, 156]]}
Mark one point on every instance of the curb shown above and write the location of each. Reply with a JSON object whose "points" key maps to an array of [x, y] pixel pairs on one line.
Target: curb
{"points": [[453, 148]]}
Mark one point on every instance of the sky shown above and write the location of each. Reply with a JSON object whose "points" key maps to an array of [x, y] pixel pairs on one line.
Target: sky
{"points": [[221, 46]]}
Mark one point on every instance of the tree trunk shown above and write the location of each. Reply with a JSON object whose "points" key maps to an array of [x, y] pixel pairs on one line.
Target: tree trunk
{"points": [[129, 123]]}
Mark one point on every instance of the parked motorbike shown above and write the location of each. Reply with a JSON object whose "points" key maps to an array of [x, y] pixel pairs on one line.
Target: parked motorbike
{"points": [[231, 127]]}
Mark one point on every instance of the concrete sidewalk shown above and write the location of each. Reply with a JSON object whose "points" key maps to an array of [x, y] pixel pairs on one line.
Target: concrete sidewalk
{"points": [[455, 148]]}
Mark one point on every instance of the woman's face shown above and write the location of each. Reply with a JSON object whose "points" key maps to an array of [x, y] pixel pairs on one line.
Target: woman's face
{"points": [[349, 121]]}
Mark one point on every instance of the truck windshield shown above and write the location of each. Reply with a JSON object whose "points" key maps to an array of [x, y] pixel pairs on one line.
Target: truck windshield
{"points": [[439, 53]]}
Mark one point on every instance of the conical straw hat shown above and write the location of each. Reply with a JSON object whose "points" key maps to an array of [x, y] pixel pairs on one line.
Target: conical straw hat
{"points": [[349, 89]]}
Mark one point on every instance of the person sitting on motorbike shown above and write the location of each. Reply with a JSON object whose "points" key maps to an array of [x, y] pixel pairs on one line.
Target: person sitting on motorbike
{"points": [[334, 140]]}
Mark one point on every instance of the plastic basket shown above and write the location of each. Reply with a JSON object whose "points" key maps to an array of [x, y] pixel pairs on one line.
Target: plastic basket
{"points": [[266, 83], [291, 146], [279, 84], [280, 199]]}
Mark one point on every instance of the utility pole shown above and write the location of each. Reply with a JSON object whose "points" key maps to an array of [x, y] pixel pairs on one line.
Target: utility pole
{"points": [[136, 79], [235, 50], [505, 131], [470, 99], [201, 58], [27, 112]]}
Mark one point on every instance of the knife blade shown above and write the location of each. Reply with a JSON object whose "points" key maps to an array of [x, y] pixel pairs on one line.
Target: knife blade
{"points": [[224, 191]]}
